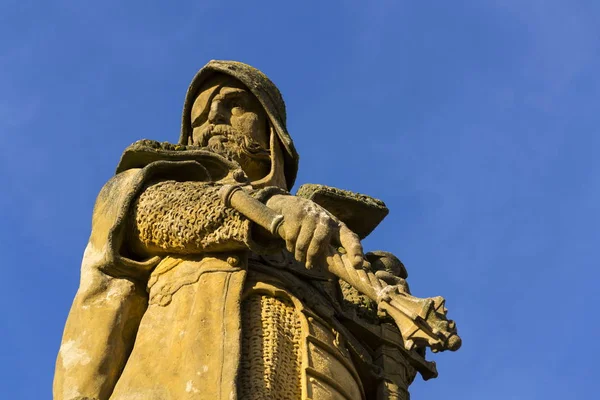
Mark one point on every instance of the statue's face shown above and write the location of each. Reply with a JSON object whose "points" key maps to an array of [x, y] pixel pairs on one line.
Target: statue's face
{"points": [[228, 119]]}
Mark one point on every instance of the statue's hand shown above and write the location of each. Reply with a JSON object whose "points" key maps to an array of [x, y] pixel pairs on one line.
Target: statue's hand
{"points": [[389, 269], [309, 230], [386, 261]]}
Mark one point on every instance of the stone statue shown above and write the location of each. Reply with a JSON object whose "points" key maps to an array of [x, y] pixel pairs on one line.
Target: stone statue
{"points": [[204, 278]]}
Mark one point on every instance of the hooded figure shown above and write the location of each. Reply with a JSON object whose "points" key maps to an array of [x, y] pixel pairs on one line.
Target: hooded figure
{"points": [[283, 151], [176, 300]]}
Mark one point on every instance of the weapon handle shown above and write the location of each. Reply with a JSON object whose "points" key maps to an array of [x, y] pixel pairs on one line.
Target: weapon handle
{"points": [[361, 279], [235, 197]]}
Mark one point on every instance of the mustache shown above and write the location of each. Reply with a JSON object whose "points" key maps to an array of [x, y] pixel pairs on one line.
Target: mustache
{"points": [[220, 137], [214, 130]]}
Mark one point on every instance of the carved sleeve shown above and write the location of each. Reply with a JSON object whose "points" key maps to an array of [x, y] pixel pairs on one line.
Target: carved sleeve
{"points": [[187, 218]]}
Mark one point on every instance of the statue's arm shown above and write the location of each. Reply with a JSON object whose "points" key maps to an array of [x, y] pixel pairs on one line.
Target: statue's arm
{"points": [[172, 217], [190, 217]]}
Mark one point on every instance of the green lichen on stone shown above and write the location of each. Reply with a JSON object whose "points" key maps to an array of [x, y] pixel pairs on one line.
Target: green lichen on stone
{"points": [[307, 190], [156, 145]]}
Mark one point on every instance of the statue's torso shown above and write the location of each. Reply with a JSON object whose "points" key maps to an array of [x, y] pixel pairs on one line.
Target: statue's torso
{"points": [[217, 324]]}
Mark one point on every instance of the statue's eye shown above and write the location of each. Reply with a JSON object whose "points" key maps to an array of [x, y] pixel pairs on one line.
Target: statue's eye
{"points": [[237, 106]]}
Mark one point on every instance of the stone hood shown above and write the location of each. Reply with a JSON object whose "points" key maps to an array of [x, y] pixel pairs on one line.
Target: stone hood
{"points": [[266, 93]]}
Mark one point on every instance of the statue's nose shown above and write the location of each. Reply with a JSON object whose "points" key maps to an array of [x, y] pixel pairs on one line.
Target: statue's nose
{"points": [[217, 114]]}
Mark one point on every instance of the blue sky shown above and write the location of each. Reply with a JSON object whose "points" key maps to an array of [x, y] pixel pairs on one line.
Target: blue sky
{"points": [[475, 121]]}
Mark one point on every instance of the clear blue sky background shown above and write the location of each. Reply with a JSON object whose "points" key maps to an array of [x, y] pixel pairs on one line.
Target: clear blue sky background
{"points": [[475, 121]]}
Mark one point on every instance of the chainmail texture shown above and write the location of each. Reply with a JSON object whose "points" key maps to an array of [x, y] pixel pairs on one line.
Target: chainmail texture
{"points": [[271, 337], [361, 304], [187, 217]]}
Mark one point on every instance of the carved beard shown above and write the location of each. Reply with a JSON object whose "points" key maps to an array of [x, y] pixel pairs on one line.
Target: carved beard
{"points": [[243, 149]]}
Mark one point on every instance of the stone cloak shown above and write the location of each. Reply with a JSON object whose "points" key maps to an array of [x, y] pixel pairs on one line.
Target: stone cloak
{"points": [[101, 328]]}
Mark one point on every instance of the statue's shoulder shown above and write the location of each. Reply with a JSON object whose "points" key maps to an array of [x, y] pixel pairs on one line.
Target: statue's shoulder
{"points": [[361, 213], [151, 154]]}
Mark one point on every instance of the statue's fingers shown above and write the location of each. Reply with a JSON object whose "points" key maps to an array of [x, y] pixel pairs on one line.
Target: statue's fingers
{"points": [[333, 259], [292, 230], [388, 277], [320, 240], [307, 231], [351, 243]]}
